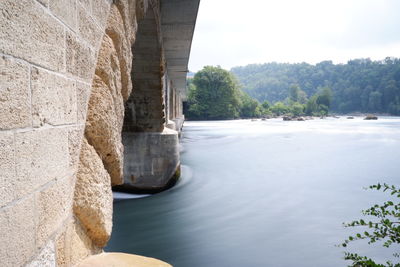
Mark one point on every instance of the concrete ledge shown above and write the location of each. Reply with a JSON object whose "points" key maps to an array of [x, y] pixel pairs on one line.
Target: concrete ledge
{"points": [[121, 260], [179, 123]]}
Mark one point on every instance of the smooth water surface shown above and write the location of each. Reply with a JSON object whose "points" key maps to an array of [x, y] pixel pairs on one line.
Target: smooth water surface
{"points": [[264, 193]]}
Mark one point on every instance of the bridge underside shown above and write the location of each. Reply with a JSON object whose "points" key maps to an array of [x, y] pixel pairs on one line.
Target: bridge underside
{"points": [[153, 113]]}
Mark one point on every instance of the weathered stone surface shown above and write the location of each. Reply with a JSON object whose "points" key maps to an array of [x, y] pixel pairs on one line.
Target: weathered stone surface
{"points": [[116, 31], [81, 246], [80, 57], [42, 156], [65, 10], [104, 125], [87, 4], [83, 93], [75, 136], [147, 96], [62, 251], [44, 2], [73, 245], [17, 228], [121, 260], [100, 11], [54, 205], [14, 94], [53, 99], [93, 196], [7, 167], [46, 258], [45, 35], [108, 70], [127, 9], [88, 28], [141, 8]]}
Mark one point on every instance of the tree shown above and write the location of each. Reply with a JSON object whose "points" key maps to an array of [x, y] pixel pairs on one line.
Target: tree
{"points": [[297, 109], [385, 228], [266, 105], [250, 108], [294, 92], [279, 108], [312, 106], [375, 101], [324, 97], [215, 95]]}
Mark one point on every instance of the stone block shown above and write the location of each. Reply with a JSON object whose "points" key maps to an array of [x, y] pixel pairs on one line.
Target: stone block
{"points": [[15, 110], [44, 2], [80, 244], [109, 71], [104, 123], [100, 11], [7, 167], [17, 228], [65, 10], [88, 28], [42, 155], [46, 257], [80, 57], [83, 94], [27, 31], [116, 31], [75, 136], [62, 251], [54, 205], [53, 99], [127, 9], [87, 4], [93, 197]]}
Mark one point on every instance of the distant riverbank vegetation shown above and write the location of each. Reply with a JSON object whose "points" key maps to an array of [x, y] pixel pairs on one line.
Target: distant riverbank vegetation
{"points": [[276, 89], [215, 94], [361, 85]]}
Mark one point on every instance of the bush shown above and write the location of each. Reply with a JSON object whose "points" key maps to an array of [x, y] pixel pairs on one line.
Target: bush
{"points": [[385, 228]]}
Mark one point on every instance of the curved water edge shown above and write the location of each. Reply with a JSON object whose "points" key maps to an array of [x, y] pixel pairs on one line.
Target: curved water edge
{"points": [[264, 193], [184, 179]]}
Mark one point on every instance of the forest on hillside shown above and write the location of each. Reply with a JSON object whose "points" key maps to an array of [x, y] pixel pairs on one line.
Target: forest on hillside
{"points": [[360, 85]]}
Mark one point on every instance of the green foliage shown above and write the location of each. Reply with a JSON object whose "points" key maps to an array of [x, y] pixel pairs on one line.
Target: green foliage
{"points": [[213, 94], [324, 97], [266, 105], [360, 85], [297, 109], [294, 92], [250, 108], [385, 228], [280, 108]]}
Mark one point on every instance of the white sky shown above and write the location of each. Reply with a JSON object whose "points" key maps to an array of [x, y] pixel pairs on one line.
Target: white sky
{"points": [[240, 32]]}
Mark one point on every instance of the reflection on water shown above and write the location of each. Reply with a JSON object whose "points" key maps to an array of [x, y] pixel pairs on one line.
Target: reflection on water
{"points": [[264, 193]]}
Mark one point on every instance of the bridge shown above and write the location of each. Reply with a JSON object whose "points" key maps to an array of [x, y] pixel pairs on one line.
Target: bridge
{"points": [[91, 97]]}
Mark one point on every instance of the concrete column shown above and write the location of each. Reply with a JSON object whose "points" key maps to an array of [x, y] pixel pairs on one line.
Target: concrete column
{"points": [[151, 161]]}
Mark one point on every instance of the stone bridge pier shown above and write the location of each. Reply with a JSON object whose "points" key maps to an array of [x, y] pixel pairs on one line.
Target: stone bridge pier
{"points": [[153, 112]]}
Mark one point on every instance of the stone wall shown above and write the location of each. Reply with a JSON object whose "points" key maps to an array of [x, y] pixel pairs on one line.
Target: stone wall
{"points": [[48, 52], [65, 81]]}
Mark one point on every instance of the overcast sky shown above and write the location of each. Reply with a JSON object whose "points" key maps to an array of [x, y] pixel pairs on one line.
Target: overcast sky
{"points": [[240, 32]]}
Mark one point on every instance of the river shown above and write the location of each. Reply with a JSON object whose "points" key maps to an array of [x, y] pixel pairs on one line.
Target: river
{"points": [[264, 193]]}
